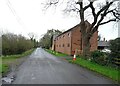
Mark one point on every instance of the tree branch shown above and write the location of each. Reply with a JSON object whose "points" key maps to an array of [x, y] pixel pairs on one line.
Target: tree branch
{"points": [[105, 9], [108, 21], [81, 11], [86, 7], [76, 8], [118, 17], [104, 13], [106, 6], [93, 9], [56, 2], [96, 27], [50, 3], [94, 15]]}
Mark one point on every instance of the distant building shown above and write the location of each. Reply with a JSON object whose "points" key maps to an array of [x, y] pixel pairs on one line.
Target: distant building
{"points": [[70, 40], [103, 45]]}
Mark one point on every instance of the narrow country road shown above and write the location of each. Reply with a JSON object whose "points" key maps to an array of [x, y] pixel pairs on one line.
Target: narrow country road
{"points": [[44, 68]]}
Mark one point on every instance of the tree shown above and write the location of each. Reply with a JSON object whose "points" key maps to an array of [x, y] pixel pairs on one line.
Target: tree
{"points": [[32, 38], [106, 9], [46, 40], [9, 43], [15, 44]]}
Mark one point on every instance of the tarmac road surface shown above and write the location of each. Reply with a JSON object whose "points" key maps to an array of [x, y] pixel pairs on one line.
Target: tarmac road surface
{"points": [[44, 68]]}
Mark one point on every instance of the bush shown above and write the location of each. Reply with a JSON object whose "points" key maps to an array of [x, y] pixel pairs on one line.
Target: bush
{"points": [[115, 51], [99, 57]]}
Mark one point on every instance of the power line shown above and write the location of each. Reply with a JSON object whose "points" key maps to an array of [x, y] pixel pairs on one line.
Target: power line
{"points": [[15, 14]]}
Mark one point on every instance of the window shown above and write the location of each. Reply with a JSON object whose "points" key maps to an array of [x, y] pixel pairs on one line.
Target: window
{"points": [[59, 45], [68, 34], [68, 45], [63, 45]]}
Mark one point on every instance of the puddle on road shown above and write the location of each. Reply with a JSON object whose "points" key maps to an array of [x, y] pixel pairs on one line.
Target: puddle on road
{"points": [[7, 80]]}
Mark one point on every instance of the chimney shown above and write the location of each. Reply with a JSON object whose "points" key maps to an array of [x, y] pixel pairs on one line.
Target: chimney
{"points": [[104, 39]]}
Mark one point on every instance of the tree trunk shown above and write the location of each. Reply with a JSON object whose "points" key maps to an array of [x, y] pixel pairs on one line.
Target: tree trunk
{"points": [[86, 46], [85, 39]]}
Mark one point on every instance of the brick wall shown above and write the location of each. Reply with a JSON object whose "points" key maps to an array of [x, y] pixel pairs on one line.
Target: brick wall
{"points": [[63, 43], [94, 42], [71, 40], [76, 40]]}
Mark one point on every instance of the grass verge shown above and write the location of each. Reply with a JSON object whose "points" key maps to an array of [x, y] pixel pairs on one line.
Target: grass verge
{"points": [[104, 70], [56, 53], [11, 59]]}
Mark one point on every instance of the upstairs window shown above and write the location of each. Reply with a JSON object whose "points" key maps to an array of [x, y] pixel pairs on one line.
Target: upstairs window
{"points": [[68, 34], [63, 45], [68, 45]]}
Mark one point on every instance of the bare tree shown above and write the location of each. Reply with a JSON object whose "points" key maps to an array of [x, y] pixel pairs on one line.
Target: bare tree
{"points": [[106, 9], [32, 36]]}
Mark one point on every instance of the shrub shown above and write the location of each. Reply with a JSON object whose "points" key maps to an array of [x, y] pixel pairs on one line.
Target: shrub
{"points": [[115, 51], [99, 57]]}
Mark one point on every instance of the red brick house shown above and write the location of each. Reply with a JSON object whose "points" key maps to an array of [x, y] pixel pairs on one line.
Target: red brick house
{"points": [[70, 40]]}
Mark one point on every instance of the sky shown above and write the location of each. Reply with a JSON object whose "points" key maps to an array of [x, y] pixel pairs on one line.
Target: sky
{"points": [[27, 16]]}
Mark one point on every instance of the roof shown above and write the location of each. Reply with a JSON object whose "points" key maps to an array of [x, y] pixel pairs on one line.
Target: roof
{"points": [[103, 43], [73, 28], [68, 30]]}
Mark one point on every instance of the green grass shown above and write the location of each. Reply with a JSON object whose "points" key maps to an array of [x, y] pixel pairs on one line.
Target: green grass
{"points": [[4, 68], [104, 70], [6, 61], [56, 53]]}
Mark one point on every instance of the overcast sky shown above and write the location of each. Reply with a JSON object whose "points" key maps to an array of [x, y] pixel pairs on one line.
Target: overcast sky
{"points": [[26, 16]]}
